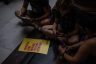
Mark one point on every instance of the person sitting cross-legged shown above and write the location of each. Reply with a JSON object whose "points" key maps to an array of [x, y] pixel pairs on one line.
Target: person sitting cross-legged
{"points": [[41, 10]]}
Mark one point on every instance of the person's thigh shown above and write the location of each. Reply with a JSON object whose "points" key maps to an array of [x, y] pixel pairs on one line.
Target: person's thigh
{"points": [[46, 21], [48, 31], [47, 27]]}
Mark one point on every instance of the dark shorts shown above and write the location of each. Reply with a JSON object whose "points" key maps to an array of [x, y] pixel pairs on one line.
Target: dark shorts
{"points": [[33, 14], [84, 17]]}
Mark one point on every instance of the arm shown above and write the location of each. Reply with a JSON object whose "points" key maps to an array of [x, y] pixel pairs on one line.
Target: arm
{"points": [[75, 45], [24, 7], [81, 54], [65, 7], [55, 26], [25, 4], [47, 11]]}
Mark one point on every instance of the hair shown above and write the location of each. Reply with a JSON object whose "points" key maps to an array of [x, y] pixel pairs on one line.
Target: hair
{"points": [[66, 20], [62, 5], [89, 22]]}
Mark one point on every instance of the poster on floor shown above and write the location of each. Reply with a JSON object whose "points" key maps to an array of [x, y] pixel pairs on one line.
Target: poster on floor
{"points": [[34, 45]]}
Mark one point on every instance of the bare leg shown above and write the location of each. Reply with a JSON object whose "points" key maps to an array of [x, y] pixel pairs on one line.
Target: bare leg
{"points": [[46, 21], [48, 31]]}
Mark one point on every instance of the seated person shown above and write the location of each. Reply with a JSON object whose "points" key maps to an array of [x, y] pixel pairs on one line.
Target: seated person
{"points": [[86, 16], [40, 11], [63, 22]]}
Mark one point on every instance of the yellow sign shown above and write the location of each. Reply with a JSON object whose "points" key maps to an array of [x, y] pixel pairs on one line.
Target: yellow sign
{"points": [[34, 45]]}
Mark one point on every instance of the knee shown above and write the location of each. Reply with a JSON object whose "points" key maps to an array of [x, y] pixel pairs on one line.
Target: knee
{"points": [[44, 27], [45, 21]]}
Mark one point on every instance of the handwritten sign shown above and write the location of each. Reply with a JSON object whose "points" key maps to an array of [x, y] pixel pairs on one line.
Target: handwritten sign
{"points": [[34, 45]]}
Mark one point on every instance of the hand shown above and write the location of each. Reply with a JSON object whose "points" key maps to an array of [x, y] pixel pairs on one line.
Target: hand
{"points": [[68, 48], [22, 11], [54, 28], [61, 39], [59, 34], [26, 18], [61, 49]]}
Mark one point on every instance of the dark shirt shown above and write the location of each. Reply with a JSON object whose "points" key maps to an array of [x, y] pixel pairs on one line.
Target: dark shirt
{"points": [[66, 22], [75, 15], [86, 3], [38, 5]]}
